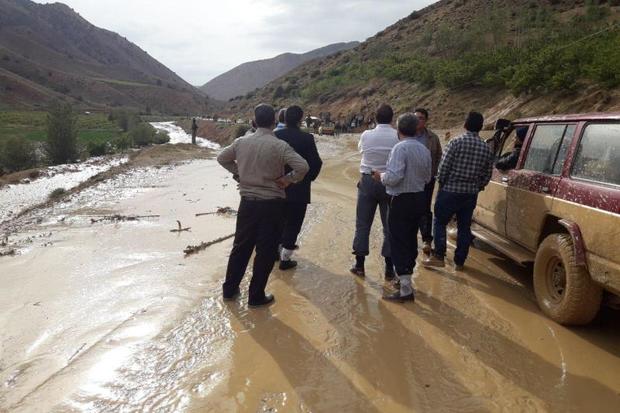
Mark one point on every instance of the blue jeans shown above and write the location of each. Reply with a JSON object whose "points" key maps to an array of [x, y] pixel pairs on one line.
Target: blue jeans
{"points": [[447, 205]]}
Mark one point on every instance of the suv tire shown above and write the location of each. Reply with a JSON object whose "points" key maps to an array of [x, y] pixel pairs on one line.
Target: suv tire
{"points": [[564, 290]]}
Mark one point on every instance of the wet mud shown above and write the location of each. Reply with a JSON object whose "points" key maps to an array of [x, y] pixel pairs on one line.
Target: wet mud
{"points": [[112, 316]]}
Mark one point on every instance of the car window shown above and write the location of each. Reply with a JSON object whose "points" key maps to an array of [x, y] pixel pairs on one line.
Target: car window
{"points": [[598, 155], [543, 150], [566, 142], [509, 143]]}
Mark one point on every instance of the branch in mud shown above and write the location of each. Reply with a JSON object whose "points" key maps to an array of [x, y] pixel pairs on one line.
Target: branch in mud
{"points": [[180, 229], [219, 211], [122, 218], [195, 249]]}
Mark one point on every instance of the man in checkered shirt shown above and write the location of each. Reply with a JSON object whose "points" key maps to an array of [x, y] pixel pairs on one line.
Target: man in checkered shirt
{"points": [[464, 171]]}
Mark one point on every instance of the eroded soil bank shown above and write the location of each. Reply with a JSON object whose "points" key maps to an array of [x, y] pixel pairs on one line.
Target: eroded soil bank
{"points": [[110, 316]]}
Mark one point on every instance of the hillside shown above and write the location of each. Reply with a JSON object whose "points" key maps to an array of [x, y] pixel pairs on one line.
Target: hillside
{"points": [[503, 57], [48, 51], [252, 75]]}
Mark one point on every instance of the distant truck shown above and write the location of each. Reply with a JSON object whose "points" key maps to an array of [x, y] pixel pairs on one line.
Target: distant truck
{"points": [[560, 210]]}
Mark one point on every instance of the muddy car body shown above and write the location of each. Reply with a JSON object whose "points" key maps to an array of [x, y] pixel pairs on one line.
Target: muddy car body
{"points": [[559, 209]]}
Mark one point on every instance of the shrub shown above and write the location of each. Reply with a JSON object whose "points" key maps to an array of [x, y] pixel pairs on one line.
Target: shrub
{"points": [[17, 154], [240, 130], [122, 143], [97, 148], [61, 145], [161, 137], [57, 193], [142, 134]]}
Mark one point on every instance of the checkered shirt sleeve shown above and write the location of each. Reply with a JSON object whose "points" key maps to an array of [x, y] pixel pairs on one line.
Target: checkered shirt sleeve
{"points": [[466, 165]]}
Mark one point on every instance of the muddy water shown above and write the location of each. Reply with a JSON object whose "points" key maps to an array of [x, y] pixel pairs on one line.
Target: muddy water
{"points": [[111, 317], [178, 135], [16, 197]]}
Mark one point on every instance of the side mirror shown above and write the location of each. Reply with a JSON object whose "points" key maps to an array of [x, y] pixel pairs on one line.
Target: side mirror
{"points": [[501, 124]]}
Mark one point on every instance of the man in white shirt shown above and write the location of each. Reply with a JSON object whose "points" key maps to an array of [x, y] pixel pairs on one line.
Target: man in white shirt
{"points": [[375, 146]]}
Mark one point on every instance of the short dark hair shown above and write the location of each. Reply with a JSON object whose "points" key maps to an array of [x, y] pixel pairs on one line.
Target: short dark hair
{"points": [[422, 111], [281, 115], [522, 133], [407, 124], [474, 122], [385, 114], [293, 116], [264, 115]]}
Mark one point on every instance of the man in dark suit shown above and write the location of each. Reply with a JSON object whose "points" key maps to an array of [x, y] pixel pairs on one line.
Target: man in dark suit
{"points": [[298, 195]]}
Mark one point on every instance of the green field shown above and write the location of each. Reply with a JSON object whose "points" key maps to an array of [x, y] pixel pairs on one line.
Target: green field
{"points": [[94, 128]]}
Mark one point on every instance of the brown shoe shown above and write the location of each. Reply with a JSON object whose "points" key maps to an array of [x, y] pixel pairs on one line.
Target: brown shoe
{"points": [[458, 267], [427, 249], [358, 271], [433, 261]]}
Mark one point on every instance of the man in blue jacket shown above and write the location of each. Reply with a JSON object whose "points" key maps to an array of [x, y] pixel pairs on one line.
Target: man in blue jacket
{"points": [[298, 195]]}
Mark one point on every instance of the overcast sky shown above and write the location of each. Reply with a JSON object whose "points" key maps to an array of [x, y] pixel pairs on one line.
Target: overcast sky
{"points": [[201, 39]]}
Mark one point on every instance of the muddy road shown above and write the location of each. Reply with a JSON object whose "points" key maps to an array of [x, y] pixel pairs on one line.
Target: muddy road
{"points": [[110, 316]]}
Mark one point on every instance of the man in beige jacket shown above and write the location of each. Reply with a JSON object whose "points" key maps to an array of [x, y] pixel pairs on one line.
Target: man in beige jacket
{"points": [[257, 162]]}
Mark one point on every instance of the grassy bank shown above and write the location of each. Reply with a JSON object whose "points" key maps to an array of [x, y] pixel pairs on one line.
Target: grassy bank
{"points": [[93, 128]]}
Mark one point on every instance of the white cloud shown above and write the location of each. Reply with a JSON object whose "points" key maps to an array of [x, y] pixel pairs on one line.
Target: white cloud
{"points": [[201, 39]]}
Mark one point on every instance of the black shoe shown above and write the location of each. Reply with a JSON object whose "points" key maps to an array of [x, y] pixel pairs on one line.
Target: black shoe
{"points": [[233, 296], [358, 271], [269, 298], [287, 265], [389, 276], [398, 298]]}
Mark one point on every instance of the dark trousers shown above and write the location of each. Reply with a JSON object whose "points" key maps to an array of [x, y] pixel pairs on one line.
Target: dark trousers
{"points": [[370, 194], [259, 225], [406, 210], [426, 222], [447, 205], [294, 215]]}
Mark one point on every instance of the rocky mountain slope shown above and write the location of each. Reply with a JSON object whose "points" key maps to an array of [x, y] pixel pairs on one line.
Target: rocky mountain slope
{"points": [[252, 75], [503, 57], [48, 51]]}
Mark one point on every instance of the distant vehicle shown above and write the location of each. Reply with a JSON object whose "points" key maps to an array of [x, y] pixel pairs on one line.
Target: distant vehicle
{"points": [[327, 130], [559, 209]]}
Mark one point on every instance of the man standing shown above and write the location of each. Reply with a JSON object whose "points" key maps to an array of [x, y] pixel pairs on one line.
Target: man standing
{"points": [[194, 131], [281, 124], [257, 161], [375, 146], [407, 173], [431, 141], [464, 171], [298, 195]]}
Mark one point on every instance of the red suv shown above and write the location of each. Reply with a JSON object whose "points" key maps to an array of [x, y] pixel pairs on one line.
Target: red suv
{"points": [[559, 209]]}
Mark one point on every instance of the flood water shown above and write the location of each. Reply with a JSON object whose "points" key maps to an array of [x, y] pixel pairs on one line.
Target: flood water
{"points": [[110, 316]]}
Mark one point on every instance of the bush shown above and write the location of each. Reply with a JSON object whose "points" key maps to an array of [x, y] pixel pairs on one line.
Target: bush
{"points": [[240, 130], [97, 148], [17, 154], [142, 134], [61, 145], [122, 143], [57, 193], [161, 137]]}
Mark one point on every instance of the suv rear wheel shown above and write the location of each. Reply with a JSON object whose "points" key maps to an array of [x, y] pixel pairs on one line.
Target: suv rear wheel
{"points": [[564, 289]]}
